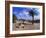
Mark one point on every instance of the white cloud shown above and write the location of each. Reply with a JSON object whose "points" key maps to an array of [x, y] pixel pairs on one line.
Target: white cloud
{"points": [[25, 15]]}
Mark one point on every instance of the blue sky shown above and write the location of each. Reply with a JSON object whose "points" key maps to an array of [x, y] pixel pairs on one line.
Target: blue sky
{"points": [[23, 13]]}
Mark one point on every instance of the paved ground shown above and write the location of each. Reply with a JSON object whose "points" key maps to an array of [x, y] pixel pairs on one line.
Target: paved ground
{"points": [[36, 26]]}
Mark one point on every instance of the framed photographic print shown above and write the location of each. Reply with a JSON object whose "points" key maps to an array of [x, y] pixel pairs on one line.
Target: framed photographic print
{"points": [[24, 18]]}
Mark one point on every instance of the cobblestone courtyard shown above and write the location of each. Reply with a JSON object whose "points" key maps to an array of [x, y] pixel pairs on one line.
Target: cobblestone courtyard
{"points": [[36, 26]]}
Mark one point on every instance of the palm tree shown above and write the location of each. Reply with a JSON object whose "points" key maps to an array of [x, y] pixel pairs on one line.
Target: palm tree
{"points": [[32, 13], [14, 18]]}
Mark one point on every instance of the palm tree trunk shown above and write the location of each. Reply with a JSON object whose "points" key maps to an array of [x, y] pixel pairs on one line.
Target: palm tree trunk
{"points": [[33, 20]]}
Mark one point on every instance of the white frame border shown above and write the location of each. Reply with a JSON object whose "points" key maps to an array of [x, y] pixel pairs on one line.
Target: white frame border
{"points": [[25, 31]]}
